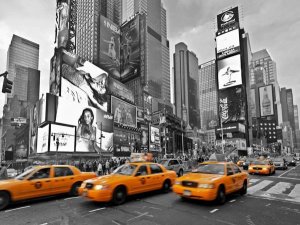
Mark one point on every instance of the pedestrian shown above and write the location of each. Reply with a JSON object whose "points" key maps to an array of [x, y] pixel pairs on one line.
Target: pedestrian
{"points": [[3, 172], [99, 169], [107, 167]]}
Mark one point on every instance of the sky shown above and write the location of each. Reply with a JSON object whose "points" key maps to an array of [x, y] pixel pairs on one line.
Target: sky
{"points": [[271, 24]]}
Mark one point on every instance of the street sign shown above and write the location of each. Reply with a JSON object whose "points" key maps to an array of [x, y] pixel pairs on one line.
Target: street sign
{"points": [[18, 121]]}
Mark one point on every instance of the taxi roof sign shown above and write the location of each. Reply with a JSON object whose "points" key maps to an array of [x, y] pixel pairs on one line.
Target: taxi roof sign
{"points": [[141, 157]]}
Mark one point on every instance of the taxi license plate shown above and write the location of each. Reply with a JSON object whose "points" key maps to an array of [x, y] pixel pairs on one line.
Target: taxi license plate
{"points": [[187, 193]]}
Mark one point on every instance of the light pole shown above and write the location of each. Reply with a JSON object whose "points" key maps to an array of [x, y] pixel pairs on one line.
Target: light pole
{"points": [[101, 136], [221, 125]]}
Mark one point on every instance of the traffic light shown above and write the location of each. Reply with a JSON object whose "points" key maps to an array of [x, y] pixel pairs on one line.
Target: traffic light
{"points": [[7, 85]]}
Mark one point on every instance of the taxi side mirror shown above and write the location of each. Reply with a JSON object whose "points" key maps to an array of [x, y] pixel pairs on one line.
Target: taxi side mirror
{"points": [[138, 174]]}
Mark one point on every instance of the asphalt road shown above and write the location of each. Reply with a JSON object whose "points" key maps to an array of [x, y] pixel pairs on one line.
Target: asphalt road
{"points": [[270, 200]]}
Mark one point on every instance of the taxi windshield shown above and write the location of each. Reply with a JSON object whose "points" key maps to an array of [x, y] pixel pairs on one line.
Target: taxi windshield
{"points": [[210, 169], [24, 174], [126, 169], [260, 163]]}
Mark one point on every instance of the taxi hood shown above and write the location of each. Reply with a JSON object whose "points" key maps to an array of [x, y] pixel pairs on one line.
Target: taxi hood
{"points": [[108, 178], [9, 182], [200, 177]]}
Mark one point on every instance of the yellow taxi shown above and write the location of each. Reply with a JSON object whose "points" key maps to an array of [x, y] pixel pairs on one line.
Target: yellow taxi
{"points": [[261, 167], [240, 163], [41, 181], [212, 181], [128, 179]]}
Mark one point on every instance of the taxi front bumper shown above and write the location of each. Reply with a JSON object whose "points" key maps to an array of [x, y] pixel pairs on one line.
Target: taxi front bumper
{"points": [[95, 195], [259, 171], [195, 193]]}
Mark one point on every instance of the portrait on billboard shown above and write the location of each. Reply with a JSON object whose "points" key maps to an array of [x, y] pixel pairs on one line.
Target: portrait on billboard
{"points": [[62, 20], [109, 59], [266, 100], [34, 122], [62, 138], [124, 113], [92, 80], [145, 136], [229, 72], [130, 49], [232, 105]]}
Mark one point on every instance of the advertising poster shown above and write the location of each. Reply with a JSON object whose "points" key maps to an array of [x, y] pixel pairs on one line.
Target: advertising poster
{"points": [[124, 113], [228, 43], [232, 105], [252, 104], [109, 47], [89, 122], [121, 90], [73, 93], [42, 140], [266, 100], [62, 138], [228, 18], [130, 49], [145, 137], [55, 73], [229, 72], [86, 76], [143, 33], [154, 139], [62, 23], [33, 128], [121, 143]]}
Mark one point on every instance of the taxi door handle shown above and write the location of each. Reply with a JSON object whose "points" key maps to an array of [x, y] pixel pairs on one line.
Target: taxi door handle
{"points": [[162, 175], [71, 178], [148, 177], [48, 181]]}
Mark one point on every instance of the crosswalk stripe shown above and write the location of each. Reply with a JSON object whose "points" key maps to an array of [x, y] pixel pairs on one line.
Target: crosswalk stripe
{"points": [[253, 180], [295, 193], [259, 186], [279, 188]]}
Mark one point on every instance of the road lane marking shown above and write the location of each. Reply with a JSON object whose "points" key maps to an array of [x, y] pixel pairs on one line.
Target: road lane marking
{"points": [[259, 186], [96, 210], [44, 224], [279, 188], [286, 172], [295, 193], [115, 222], [268, 204], [253, 180], [72, 198], [17, 208], [215, 210], [141, 214]]}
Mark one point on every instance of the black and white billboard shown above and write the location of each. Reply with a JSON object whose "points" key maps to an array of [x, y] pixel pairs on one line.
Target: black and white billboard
{"points": [[228, 43], [229, 72], [62, 138], [42, 139], [228, 18], [266, 100]]}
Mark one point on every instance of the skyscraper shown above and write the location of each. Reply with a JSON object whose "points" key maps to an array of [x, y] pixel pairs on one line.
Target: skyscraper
{"points": [[186, 85], [24, 53]]}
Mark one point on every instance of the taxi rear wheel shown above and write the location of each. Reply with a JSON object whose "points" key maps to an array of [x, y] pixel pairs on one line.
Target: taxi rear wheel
{"points": [[166, 186], [243, 191], [4, 200], [74, 189], [119, 196], [180, 173], [221, 197]]}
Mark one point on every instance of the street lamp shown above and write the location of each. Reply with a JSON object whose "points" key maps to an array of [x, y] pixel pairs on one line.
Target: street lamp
{"points": [[101, 136], [221, 125]]}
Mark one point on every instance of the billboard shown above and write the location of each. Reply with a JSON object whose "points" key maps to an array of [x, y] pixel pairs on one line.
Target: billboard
{"points": [[124, 113], [86, 76], [232, 105], [228, 43], [154, 139], [89, 122], [145, 137], [228, 18], [252, 104], [130, 49], [229, 72], [62, 23], [109, 59], [143, 33], [266, 100], [62, 138], [42, 139], [55, 68], [122, 143], [119, 89], [33, 127]]}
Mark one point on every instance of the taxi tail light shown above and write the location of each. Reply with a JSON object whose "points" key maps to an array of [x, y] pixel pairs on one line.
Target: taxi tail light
{"points": [[207, 186]]}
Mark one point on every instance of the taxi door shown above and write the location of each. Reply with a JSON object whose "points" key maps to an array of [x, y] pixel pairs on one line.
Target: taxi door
{"points": [[63, 179], [157, 176], [230, 179], [37, 185], [141, 181], [239, 177]]}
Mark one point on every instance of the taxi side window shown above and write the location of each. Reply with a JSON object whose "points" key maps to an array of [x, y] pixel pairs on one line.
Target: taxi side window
{"points": [[236, 169], [41, 174], [229, 170], [143, 170], [62, 172], [155, 169]]}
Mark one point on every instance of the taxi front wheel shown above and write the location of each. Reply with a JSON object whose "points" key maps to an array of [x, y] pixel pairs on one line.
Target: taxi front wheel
{"points": [[119, 196], [221, 197], [4, 200]]}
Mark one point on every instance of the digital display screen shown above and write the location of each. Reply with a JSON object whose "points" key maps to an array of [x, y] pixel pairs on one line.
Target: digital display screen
{"points": [[228, 43], [62, 138]]}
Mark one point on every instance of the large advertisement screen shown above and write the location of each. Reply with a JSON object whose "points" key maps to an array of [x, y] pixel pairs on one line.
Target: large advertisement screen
{"points": [[228, 43], [122, 142], [252, 103], [154, 139], [62, 23], [266, 100], [232, 104], [109, 47], [86, 76], [130, 49], [228, 18], [229, 72], [55, 73], [42, 139], [145, 137], [90, 123], [124, 113], [62, 138], [119, 89]]}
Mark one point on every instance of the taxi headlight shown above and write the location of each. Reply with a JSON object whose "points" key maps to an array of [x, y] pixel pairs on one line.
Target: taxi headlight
{"points": [[250, 168], [208, 186], [178, 182], [100, 187], [265, 168]]}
